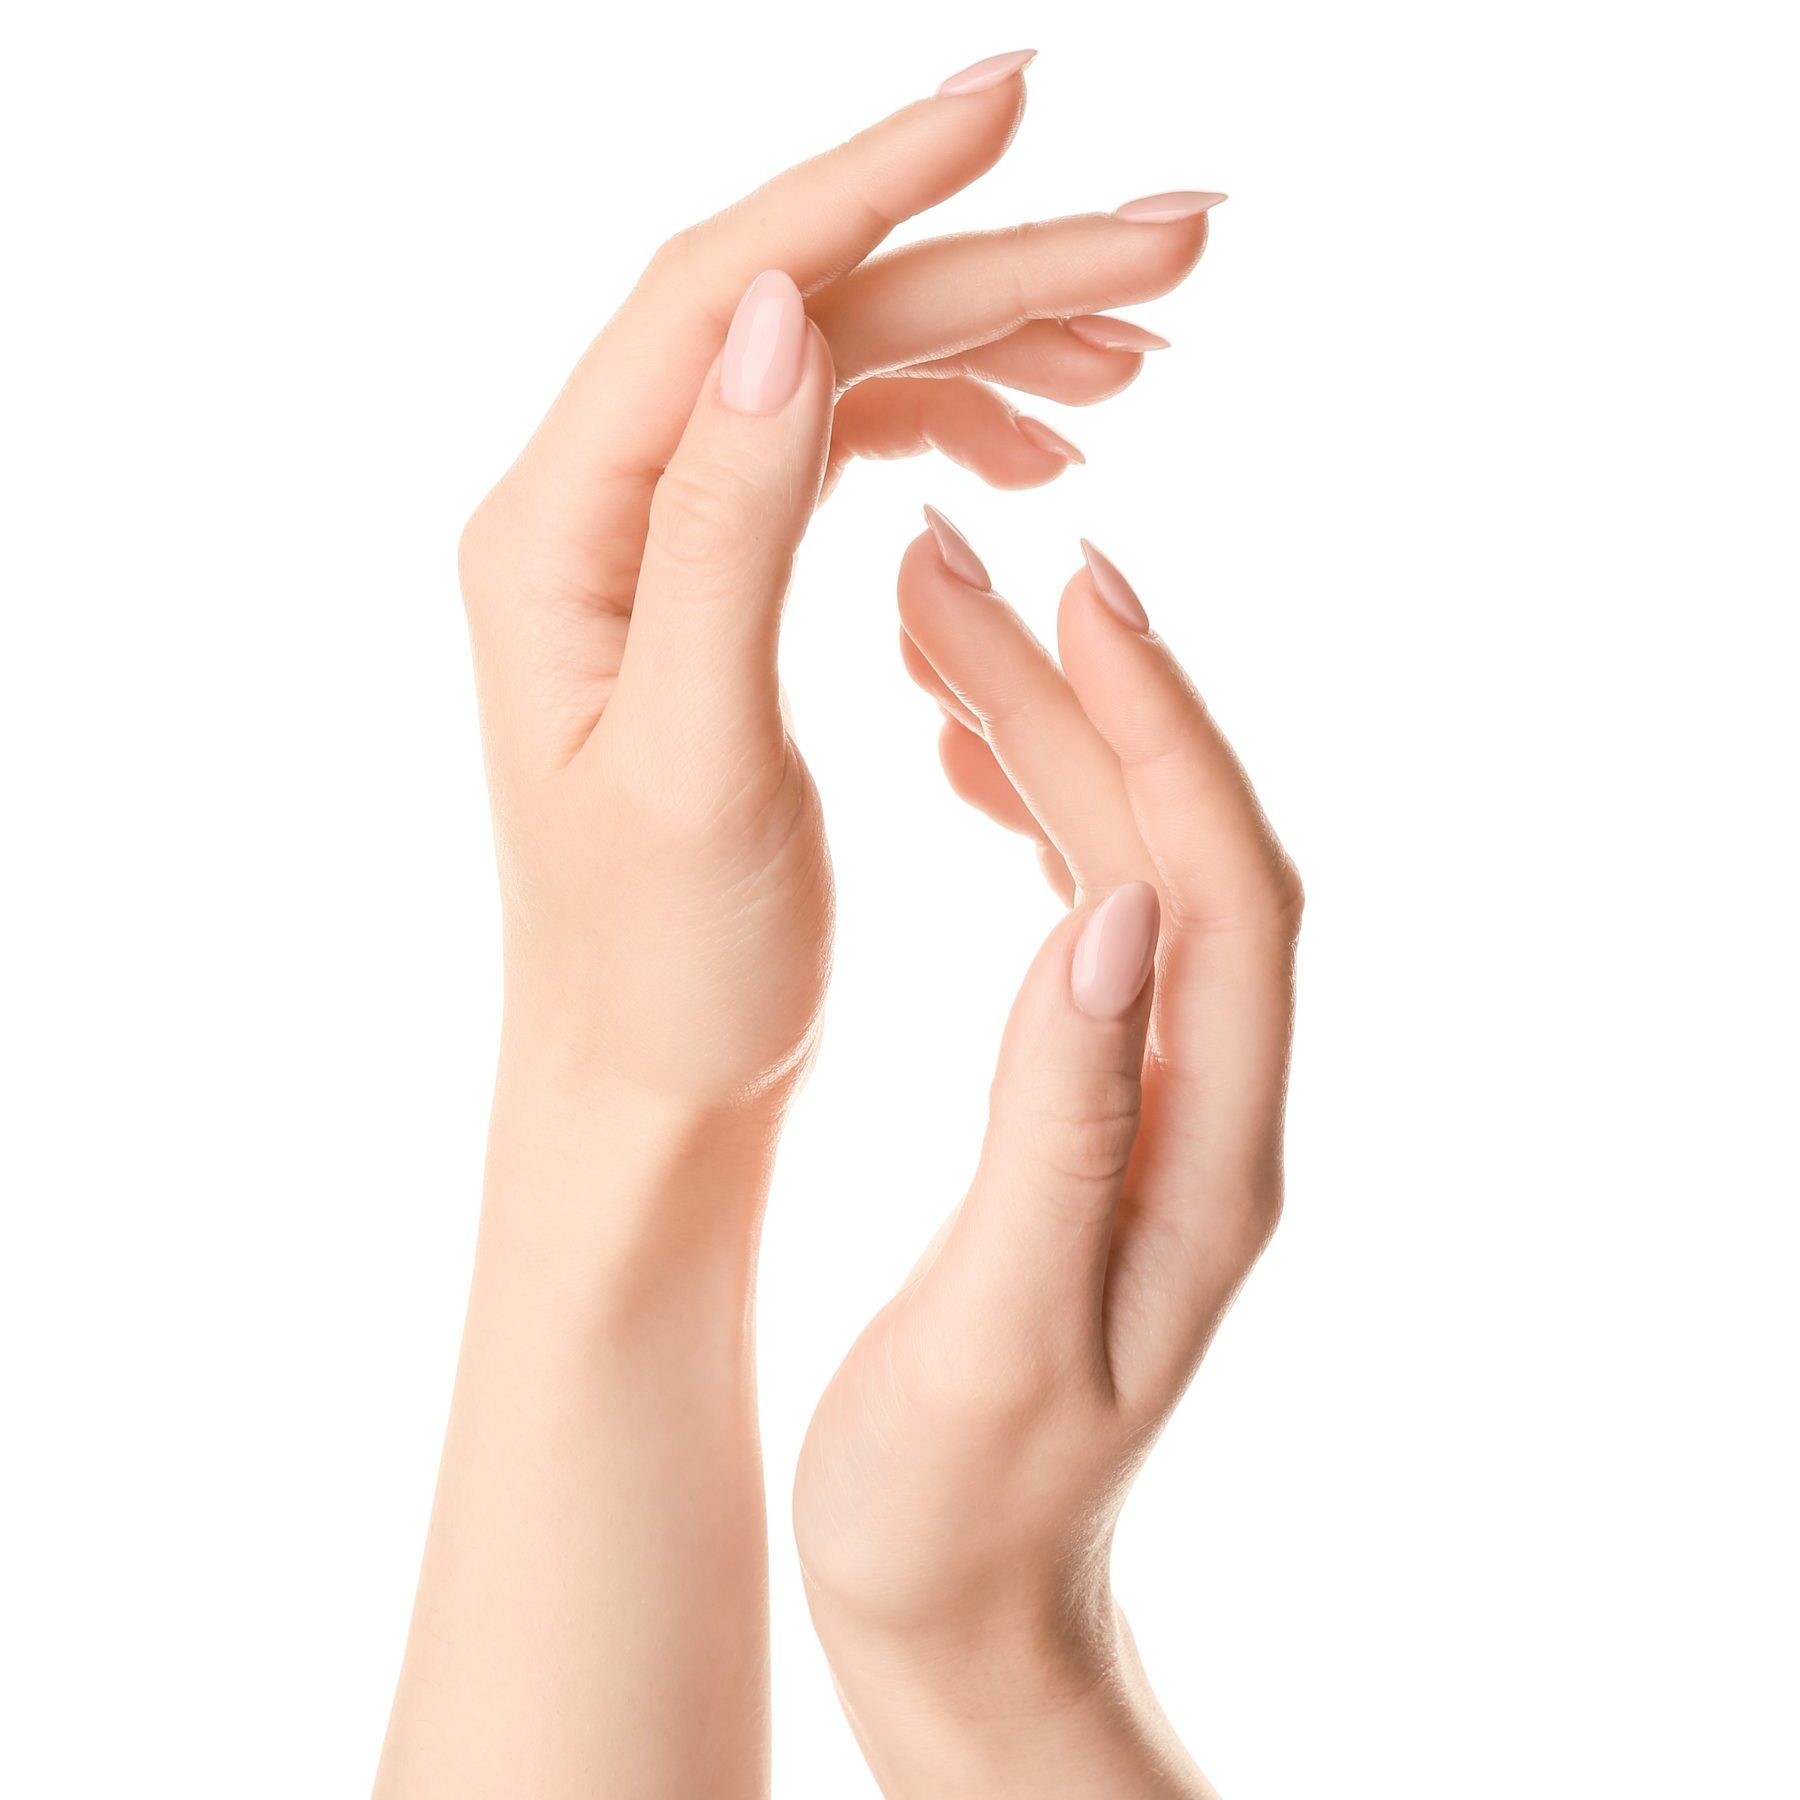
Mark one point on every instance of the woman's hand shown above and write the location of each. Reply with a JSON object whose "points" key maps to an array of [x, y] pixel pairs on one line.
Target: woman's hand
{"points": [[667, 889], [592, 1610], [959, 1486]]}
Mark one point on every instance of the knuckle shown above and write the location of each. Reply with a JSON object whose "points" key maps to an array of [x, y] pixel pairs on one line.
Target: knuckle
{"points": [[1250, 1218], [1078, 1143], [1287, 892], [876, 218], [1020, 244], [676, 251], [698, 520], [484, 546]]}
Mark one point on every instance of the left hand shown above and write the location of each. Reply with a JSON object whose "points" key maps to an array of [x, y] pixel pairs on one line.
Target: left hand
{"points": [[958, 1488]]}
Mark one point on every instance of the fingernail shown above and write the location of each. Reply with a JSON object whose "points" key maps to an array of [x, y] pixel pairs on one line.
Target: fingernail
{"points": [[977, 78], [953, 547], [1165, 209], [1035, 431], [1113, 334], [765, 349], [1114, 952], [1112, 587]]}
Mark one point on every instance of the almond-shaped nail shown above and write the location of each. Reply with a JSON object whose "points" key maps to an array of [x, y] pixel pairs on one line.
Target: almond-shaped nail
{"points": [[1114, 590], [1113, 334], [765, 349], [977, 78], [1165, 209], [1035, 431], [1114, 952], [953, 548]]}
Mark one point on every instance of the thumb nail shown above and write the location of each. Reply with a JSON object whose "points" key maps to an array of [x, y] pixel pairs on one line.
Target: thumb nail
{"points": [[1114, 952], [765, 349]]}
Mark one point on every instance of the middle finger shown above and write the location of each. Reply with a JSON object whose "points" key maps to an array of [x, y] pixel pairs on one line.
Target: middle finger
{"points": [[1063, 769], [942, 296]]}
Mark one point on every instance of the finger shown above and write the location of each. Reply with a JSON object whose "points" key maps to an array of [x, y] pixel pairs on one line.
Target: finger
{"points": [[966, 420], [1029, 716], [1207, 1181], [974, 776], [618, 418], [920, 669], [699, 670], [938, 297], [1221, 864], [1028, 1251], [1050, 357]]}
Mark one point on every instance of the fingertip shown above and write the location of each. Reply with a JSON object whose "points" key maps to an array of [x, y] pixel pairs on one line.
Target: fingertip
{"points": [[991, 91], [1116, 337], [1114, 952], [1112, 590], [1149, 262], [766, 352], [940, 577], [919, 584], [1109, 372], [1048, 440], [990, 73]]}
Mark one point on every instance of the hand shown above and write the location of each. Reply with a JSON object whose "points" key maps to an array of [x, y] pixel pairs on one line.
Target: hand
{"points": [[958, 1489], [666, 885], [593, 1597]]}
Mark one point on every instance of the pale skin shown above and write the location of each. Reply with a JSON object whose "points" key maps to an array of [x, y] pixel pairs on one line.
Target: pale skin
{"points": [[591, 1616]]}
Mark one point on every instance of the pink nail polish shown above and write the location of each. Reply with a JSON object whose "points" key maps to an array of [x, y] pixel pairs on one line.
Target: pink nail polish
{"points": [[1165, 209], [1113, 334], [1114, 590], [953, 547], [977, 78], [765, 349], [1035, 431], [1114, 952]]}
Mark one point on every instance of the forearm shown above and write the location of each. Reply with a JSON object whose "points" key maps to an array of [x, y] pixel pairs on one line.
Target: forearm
{"points": [[592, 1610], [998, 1714]]}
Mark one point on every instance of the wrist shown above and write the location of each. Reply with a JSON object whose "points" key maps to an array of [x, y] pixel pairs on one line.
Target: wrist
{"points": [[604, 1196], [1046, 1709]]}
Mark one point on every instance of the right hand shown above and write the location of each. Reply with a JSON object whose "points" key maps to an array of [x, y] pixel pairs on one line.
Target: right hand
{"points": [[959, 1486], [666, 888]]}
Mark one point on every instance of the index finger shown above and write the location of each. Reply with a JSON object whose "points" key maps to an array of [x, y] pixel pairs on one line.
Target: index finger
{"points": [[1206, 1181], [624, 407], [1221, 864]]}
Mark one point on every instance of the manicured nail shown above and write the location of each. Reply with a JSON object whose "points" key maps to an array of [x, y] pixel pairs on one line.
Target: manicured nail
{"points": [[977, 78], [1165, 209], [953, 547], [765, 349], [1035, 431], [1114, 952], [1112, 587], [1113, 334]]}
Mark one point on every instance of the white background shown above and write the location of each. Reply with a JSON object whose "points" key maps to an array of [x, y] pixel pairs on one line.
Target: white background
{"points": [[1467, 492]]}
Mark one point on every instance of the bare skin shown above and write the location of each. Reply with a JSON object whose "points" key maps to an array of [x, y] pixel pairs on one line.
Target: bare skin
{"points": [[591, 1615], [960, 1484]]}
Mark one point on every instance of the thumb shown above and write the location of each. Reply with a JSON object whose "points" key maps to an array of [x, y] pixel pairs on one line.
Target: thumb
{"points": [[1030, 1242], [728, 513]]}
